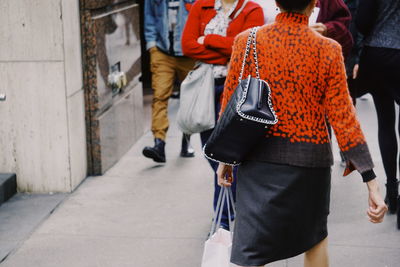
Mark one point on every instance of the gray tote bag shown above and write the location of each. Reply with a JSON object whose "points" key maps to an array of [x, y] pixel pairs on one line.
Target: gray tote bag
{"points": [[196, 111]]}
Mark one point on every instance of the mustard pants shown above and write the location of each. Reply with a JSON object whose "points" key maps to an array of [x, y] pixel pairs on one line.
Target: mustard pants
{"points": [[165, 70]]}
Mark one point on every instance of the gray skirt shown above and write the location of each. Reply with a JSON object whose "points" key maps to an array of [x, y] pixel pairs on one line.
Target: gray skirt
{"points": [[282, 211]]}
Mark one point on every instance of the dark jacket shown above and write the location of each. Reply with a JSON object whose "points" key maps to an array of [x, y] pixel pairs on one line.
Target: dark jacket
{"points": [[156, 31], [354, 56], [379, 21]]}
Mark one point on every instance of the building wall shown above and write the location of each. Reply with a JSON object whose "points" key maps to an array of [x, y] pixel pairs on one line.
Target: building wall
{"points": [[111, 46], [42, 122]]}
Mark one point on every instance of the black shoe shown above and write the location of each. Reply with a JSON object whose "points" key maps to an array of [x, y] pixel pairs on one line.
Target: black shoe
{"points": [[187, 150], [391, 199], [157, 153]]}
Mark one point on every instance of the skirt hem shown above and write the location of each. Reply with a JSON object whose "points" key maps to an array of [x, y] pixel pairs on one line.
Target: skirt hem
{"points": [[281, 258]]}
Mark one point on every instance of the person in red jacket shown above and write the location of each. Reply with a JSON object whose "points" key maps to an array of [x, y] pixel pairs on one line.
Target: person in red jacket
{"points": [[211, 27]]}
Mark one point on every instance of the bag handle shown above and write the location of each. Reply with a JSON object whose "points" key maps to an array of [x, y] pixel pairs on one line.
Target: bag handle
{"points": [[251, 39], [216, 215], [225, 196]]}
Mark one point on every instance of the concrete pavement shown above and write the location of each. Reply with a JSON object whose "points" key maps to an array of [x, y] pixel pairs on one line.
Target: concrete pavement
{"points": [[143, 214]]}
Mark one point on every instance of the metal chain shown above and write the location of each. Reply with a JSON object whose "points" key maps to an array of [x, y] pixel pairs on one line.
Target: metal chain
{"points": [[255, 51], [246, 54], [251, 39]]}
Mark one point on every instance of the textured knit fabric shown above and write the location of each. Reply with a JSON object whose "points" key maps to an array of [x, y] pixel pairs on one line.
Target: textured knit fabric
{"points": [[307, 77], [217, 49], [218, 25], [379, 21]]}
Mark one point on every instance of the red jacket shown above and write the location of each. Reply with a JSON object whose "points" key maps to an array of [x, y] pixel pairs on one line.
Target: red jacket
{"points": [[217, 49]]}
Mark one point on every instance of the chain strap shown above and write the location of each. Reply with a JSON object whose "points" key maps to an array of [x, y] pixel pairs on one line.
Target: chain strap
{"points": [[251, 39], [255, 51]]}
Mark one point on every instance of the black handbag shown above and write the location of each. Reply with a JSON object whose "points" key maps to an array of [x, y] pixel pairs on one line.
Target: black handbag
{"points": [[246, 116]]}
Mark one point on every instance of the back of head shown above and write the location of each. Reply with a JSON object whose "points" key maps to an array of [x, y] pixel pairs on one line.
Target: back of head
{"points": [[293, 5]]}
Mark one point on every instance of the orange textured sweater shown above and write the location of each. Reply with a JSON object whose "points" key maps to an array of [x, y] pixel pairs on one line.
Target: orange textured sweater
{"points": [[307, 77]]}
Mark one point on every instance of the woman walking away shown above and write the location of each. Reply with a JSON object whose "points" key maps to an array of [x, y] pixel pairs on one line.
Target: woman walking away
{"points": [[379, 74], [208, 37], [283, 187]]}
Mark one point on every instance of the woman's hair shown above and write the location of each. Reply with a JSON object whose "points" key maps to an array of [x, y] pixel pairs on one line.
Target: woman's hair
{"points": [[293, 5]]}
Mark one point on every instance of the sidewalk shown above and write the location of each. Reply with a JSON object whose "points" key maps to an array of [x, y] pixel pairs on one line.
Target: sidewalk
{"points": [[142, 214]]}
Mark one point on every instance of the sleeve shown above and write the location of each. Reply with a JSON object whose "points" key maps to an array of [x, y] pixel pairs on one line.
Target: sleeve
{"points": [[150, 30], [188, 4], [342, 116], [191, 33], [337, 22], [366, 16], [358, 46], [224, 44], [235, 64]]}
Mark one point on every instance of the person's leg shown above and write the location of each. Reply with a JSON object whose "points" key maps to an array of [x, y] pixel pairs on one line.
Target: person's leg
{"points": [[385, 110], [225, 215], [183, 66], [318, 255], [163, 76], [214, 165]]}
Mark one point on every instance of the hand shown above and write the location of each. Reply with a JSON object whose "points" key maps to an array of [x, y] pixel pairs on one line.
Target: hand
{"points": [[320, 28], [200, 40], [377, 207], [355, 71], [225, 175]]}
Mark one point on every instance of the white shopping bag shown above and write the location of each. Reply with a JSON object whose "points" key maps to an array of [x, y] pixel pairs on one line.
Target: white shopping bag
{"points": [[217, 249]]}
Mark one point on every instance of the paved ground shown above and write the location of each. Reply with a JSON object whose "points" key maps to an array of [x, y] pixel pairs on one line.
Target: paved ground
{"points": [[143, 214]]}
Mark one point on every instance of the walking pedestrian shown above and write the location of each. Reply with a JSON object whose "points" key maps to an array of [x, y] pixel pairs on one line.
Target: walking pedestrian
{"points": [[283, 186], [208, 37], [164, 21], [379, 73]]}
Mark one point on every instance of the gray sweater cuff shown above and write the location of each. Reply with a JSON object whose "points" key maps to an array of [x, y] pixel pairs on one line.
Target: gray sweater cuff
{"points": [[360, 158]]}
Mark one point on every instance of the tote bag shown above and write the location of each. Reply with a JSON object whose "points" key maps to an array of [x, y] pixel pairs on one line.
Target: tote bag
{"points": [[217, 249], [196, 111]]}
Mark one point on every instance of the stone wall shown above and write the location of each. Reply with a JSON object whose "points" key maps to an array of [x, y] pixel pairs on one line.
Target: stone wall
{"points": [[42, 123]]}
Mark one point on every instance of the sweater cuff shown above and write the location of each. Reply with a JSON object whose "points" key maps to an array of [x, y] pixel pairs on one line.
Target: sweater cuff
{"points": [[368, 175], [359, 158]]}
